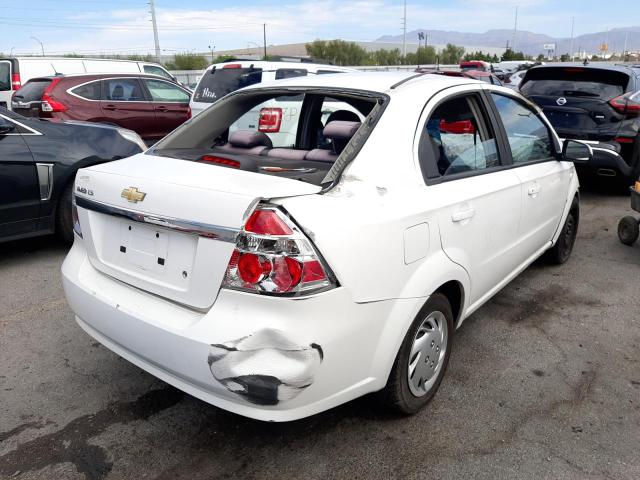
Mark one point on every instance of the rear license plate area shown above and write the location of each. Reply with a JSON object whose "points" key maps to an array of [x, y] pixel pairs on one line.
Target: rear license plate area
{"points": [[143, 247]]}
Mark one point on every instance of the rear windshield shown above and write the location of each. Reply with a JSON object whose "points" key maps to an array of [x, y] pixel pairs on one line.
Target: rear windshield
{"points": [[284, 133], [32, 90], [218, 82], [575, 82], [5, 77]]}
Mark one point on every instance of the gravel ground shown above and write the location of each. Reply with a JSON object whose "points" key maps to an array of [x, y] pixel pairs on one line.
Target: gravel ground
{"points": [[544, 382]]}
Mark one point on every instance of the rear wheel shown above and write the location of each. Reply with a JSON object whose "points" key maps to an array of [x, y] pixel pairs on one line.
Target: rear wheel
{"points": [[561, 251], [628, 230], [64, 222], [423, 358]]}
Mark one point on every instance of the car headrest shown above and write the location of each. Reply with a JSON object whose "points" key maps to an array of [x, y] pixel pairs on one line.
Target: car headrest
{"points": [[340, 129], [249, 139]]}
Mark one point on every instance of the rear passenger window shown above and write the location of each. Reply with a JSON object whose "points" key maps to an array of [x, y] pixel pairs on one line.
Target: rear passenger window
{"points": [[90, 91], [528, 137], [122, 90], [282, 73], [457, 139]]}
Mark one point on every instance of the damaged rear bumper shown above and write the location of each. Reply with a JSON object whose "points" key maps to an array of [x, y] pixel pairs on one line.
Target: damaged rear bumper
{"points": [[267, 358]]}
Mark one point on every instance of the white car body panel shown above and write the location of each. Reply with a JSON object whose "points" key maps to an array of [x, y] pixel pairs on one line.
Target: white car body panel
{"points": [[390, 239]]}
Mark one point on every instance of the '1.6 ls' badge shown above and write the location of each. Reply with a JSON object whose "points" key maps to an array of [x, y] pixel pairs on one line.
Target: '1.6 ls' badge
{"points": [[133, 195]]}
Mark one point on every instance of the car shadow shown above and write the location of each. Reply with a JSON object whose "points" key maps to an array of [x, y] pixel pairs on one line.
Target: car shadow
{"points": [[28, 246]]}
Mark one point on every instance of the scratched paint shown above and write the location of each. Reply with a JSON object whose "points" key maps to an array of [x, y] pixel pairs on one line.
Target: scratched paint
{"points": [[265, 367]]}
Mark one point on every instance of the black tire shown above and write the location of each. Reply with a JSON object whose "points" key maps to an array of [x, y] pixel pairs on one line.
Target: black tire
{"points": [[628, 230], [64, 222], [561, 251], [397, 393]]}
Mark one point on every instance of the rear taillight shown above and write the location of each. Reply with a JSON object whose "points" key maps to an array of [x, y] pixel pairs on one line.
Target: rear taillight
{"points": [[625, 139], [50, 104], [16, 83], [270, 120], [273, 256], [629, 103]]}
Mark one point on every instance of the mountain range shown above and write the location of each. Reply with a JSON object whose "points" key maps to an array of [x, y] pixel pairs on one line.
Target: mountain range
{"points": [[530, 43]]}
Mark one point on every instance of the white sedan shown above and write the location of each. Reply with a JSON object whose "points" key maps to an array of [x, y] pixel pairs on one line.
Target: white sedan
{"points": [[280, 282]]}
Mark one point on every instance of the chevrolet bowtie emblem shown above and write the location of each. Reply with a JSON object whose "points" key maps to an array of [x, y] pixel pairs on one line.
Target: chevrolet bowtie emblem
{"points": [[133, 195]]}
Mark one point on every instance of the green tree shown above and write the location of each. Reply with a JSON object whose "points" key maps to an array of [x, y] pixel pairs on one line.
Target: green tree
{"points": [[338, 52], [511, 55], [187, 61], [424, 55], [451, 54], [565, 57]]}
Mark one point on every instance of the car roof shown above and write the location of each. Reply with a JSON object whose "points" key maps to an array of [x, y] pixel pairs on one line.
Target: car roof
{"points": [[377, 82]]}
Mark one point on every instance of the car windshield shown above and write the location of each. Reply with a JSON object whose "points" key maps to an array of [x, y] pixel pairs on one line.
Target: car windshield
{"points": [[291, 134], [218, 82], [575, 82], [32, 90]]}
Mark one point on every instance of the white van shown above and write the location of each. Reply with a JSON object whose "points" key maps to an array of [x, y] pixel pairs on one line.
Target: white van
{"points": [[277, 118], [16, 71]]}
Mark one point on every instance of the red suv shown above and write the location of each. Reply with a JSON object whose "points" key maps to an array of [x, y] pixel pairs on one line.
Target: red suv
{"points": [[147, 104]]}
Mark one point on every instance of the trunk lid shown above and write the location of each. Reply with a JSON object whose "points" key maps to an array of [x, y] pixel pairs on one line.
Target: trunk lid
{"points": [[576, 99], [176, 240]]}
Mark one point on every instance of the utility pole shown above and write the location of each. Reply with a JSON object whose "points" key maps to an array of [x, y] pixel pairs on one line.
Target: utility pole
{"points": [[155, 29], [404, 30], [571, 44], [264, 39], [624, 50], [515, 31], [212, 49]]}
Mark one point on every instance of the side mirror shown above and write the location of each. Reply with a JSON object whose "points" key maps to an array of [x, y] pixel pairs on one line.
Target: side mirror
{"points": [[6, 126], [576, 151]]}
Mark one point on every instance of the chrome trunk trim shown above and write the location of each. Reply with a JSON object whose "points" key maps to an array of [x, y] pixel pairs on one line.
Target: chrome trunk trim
{"points": [[216, 232]]}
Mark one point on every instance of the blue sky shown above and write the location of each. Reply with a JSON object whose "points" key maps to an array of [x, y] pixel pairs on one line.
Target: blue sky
{"points": [[106, 26]]}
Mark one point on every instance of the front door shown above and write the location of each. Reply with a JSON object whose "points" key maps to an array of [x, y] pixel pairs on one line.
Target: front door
{"points": [[477, 196], [545, 180], [19, 186]]}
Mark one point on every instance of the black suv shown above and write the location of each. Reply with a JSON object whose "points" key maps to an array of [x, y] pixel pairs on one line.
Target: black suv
{"points": [[598, 103]]}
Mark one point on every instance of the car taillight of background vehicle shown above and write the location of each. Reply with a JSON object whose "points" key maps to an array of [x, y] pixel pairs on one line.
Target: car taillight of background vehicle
{"points": [[629, 103], [16, 83], [270, 120], [50, 104], [273, 256]]}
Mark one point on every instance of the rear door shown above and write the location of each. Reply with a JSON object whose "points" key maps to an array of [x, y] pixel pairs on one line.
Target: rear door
{"points": [[545, 180], [124, 103], [576, 99], [170, 104], [19, 185], [476, 194]]}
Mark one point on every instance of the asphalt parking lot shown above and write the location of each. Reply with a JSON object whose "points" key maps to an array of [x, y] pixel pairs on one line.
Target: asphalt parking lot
{"points": [[544, 382]]}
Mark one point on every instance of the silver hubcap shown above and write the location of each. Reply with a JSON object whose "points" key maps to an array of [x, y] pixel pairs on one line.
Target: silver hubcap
{"points": [[427, 353]]}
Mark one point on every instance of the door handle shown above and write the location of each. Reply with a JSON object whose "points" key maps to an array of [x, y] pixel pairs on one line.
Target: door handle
{"points": [[462, 215], [534, 190], [110, 107], [162, 109]]}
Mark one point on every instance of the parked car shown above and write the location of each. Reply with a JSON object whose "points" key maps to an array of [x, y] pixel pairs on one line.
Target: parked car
{"points": [[279, 282], [599, 103], [277, 119], [146, 104], [16, 71], [220, 79], [480, 65], [38, 163]]}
